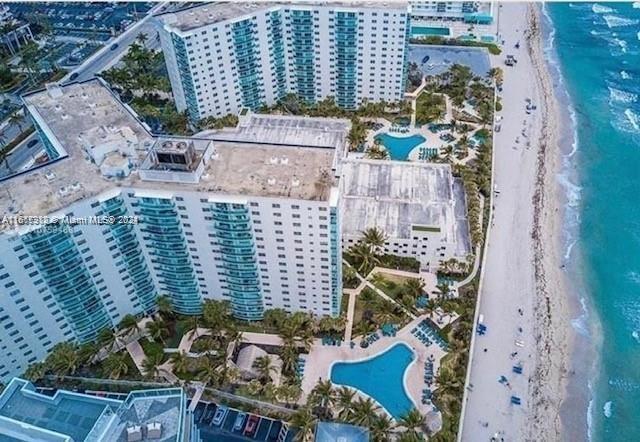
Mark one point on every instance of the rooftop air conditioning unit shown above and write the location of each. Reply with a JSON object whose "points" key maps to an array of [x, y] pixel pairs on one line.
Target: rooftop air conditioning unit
{"points": [[154, 430], [134, 433]]}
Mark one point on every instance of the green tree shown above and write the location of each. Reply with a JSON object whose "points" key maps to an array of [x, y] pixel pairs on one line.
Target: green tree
{"points": [[364, 256], [64, 359], [413, 421], [344, 403], [151, 365], [157, 330], [165, 307], [381, 428], [375, 238], [364, 412], [265, 367], [322, 398], [108, 338], [35, 371], [16, 119], [180, 362], [129, 325], [305, 422], [116, 365]]}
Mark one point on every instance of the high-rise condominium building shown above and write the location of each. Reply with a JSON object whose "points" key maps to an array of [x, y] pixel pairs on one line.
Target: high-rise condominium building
{"points": [[223, 57], [248, 215]]}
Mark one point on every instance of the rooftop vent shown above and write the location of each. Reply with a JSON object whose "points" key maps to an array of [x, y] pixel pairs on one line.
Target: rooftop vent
{"points": [[134, 433], [271, 181], [154, 430], [284, 161], [295, 182]]}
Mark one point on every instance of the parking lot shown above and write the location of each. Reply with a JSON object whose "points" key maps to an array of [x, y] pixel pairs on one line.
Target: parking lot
{"points": [[99, 16], [266, 429], [434, 60]]}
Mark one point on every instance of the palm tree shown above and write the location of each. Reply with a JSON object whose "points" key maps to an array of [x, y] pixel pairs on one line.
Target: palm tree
{"points": [[151, 365], [157, 330], [364, 254], [414, 287], [88, 352], [412, 421], [193, 325], [444, 289], [216, 314], [129, 324], [447, 383], [265, 367], [108, 338], [208, 373], [64, 358], [179, 362], [289, 356], [16, 119], [364, 412], [323, 397], [305, 422], [116, 365], [380, 429], [165, 308], [35, 371], [344, 403]]}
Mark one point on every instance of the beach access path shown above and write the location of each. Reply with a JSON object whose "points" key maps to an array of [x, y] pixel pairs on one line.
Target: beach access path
{"points": [[508, 286]]}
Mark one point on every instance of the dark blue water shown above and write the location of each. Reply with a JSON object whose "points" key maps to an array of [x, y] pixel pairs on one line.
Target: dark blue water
{"points": [[598, 48]]}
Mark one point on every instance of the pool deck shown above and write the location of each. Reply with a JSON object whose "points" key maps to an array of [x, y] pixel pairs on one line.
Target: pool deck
{"points": [[321, 357]]}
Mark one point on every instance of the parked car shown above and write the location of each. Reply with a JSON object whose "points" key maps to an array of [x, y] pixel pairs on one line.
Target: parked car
{"points": [[114, 46], [239, 423], [73, 76], [221, 412], [252, 425]]}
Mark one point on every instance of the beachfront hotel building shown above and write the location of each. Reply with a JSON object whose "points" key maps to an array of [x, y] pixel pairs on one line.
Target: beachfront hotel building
{"points": [[453, 19], [27, 414], [249, 215], [222, 57]]}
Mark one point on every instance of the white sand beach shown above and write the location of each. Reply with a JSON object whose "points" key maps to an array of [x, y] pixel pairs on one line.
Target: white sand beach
{"points": [[523, 303]]}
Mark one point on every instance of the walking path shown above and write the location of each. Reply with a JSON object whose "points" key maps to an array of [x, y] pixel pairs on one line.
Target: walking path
{"points": [[351, 308], [137, 354]]}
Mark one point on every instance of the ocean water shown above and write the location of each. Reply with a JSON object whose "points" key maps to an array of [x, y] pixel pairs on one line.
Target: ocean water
{"points": [[597, 50]]}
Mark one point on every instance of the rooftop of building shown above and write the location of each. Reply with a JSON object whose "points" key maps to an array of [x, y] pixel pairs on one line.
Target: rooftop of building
{"points": [[210, 13], [395, 196], [49, 418], [26, 414], [273, 156]]}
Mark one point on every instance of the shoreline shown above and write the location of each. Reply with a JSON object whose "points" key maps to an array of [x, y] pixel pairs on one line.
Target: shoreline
{"points": [[585, 335], [560, 394]]}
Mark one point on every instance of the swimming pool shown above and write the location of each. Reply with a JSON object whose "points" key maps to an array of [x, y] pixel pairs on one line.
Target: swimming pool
{"points": [[400, 147], [380, 377]]}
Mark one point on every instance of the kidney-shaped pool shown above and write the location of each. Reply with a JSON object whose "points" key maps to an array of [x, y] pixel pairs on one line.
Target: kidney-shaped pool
{"points": [[380, 377]]}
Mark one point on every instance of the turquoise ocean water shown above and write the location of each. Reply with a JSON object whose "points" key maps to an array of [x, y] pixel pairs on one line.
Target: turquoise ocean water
{"points": [[596, 48]]}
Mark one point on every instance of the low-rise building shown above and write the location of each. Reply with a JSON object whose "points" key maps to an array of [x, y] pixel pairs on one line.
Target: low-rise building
{"points": [[472, 20], [420, 208]]}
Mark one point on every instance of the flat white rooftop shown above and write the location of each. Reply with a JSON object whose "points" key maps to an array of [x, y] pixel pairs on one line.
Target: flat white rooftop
{"points": [[289, 157], [215, 12], [394, 195]]}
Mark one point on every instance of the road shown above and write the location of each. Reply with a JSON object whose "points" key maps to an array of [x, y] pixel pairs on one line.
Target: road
{"points": [[103, 59], [23, 155], [508, 284], [106, 58]]}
